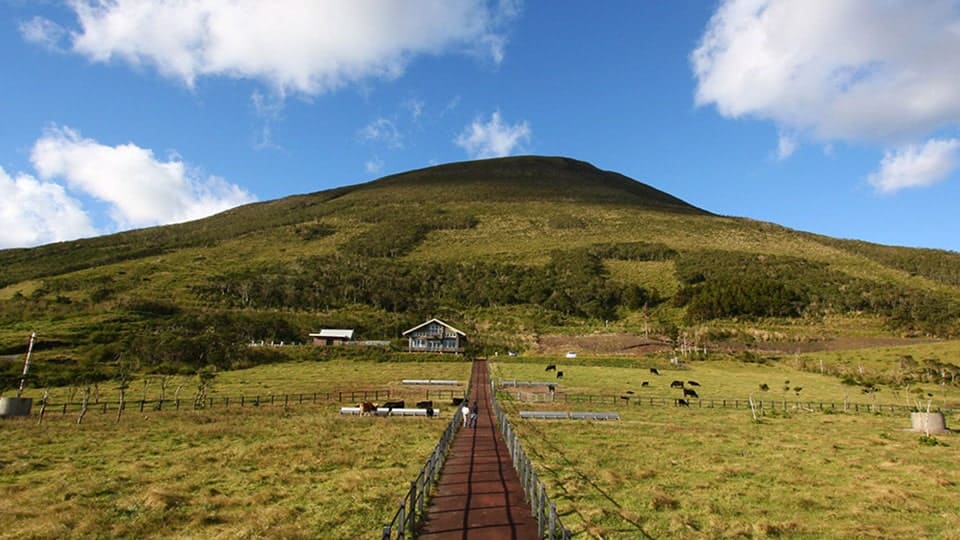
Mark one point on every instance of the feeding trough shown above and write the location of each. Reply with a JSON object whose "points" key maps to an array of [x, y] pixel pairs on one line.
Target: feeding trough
{"points": [[15, 406], [928, 422]]}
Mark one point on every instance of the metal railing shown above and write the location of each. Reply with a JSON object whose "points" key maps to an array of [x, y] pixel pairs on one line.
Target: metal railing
{"points": [[411, 509], [544, 510]]}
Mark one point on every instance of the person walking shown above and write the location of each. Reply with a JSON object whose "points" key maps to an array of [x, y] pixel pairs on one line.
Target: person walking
{"points": [[474, 413], [465, 412]]}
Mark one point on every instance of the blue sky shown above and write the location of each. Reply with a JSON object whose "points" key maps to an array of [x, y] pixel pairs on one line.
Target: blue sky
{"points": [[837, 117]]}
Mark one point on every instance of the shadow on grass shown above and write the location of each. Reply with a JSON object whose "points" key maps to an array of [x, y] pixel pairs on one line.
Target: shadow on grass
{"points": [[569, 467]]}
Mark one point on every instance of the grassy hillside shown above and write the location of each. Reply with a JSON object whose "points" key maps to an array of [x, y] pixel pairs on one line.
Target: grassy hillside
{"points": [[507, 249]]}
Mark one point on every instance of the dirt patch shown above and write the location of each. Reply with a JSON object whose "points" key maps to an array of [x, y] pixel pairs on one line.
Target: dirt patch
{"points": [[618, 344]]}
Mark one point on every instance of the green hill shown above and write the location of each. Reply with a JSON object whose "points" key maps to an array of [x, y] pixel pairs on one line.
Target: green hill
{"points": [[506, 248]]}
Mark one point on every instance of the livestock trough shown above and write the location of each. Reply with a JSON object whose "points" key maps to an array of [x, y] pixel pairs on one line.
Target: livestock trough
{"points": [[392, 412], [562, 415], [432, 381], [527, 383]]}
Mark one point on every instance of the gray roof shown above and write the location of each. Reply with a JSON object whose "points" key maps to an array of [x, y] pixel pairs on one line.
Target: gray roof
{"points": [[333, 333]]}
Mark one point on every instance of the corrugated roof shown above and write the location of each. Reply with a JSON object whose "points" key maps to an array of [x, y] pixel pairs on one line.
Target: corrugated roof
{"points": [[333, 333]]}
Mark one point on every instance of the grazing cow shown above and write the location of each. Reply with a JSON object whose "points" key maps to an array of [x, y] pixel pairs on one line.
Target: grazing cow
{"points": [[683, 403], [625, 398], [644, 383], [676, 384], [457, 400], [551, 367], [655, 371], [693, 383], [630, 392], [367, 408], [690, 392], [425, 404], [559, 374], [391, 405]]}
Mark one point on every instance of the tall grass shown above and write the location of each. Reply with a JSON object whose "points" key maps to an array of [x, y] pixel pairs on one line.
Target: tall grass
{"points": [[302, 471], [666, 472]]}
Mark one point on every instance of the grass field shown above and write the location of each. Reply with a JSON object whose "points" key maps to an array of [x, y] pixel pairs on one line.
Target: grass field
{"points": [[299, 472], [666, 472]]}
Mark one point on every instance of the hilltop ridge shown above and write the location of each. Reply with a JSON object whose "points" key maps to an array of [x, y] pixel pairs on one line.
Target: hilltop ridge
{"points": [[523, 178], [508, 248]]}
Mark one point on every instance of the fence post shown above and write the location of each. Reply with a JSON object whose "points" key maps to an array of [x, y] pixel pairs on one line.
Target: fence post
{"points": [[402, 521], [541, 513], [552, 525], [386, 533], [412, 514]]}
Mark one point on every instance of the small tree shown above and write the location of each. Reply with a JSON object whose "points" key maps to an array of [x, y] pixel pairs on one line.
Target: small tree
{"points": [[43, 404], [205, 377], [84, 403], [123, 382]]}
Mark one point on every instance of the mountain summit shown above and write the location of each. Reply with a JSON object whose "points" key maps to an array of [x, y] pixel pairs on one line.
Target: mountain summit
{"points": [[533, 178]]}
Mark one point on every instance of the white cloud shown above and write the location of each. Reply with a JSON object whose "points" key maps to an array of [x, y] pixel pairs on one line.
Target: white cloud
{"points": [[415, 106], [786, 146], [140, 189], [35, 212], [384, 131], [43, 32], [916, 165], [493, 138], [305, 46], [373, 165], [834, 69]]}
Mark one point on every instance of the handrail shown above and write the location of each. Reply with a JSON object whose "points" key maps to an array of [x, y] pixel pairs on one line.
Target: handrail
{"points": [[411, 508], [548, 522]]}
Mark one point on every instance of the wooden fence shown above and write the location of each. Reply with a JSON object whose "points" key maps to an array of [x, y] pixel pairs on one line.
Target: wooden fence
{"points": [[410, 512], [545, 510], [157, 405]]}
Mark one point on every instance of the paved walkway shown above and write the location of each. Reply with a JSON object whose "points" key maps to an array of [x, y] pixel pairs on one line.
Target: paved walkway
{"points": [[478, 495]]}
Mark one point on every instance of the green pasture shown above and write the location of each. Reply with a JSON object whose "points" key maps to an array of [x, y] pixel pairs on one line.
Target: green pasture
{"points": [[285, 379], [668, 472], [727, 379], [302, 471]]}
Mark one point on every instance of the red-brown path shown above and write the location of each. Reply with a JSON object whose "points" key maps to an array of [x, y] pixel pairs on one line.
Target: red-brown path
{"points": [[478, 495]]}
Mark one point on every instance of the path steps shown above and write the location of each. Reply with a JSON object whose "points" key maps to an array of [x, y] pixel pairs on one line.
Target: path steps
{"points": [[478, 495]]}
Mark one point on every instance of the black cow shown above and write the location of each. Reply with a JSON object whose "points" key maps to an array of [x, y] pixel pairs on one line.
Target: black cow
{"points": [[551, 367], [676, 384], [690, 392], [655, 371], [393, 405], [683, 403], [559, 374], [425, 404], [630, 392], [693, 383], [644, 383]]}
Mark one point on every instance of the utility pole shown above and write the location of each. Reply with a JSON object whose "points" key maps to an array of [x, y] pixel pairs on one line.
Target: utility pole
{"points": [[26, 364]]}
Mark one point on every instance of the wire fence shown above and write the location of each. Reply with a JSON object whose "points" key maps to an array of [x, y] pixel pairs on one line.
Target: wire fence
{"points": [[548, 521], [759, 404], [410, 512]]}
